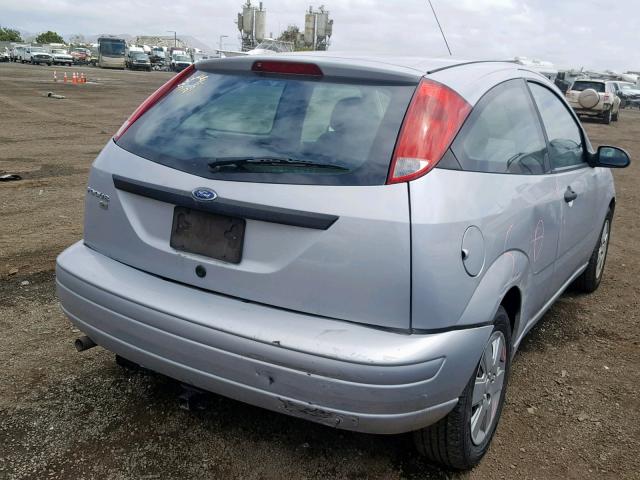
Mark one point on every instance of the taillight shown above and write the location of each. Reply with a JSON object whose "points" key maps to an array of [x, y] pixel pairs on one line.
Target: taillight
{"points": [[154, 98], [606, 97], [287, 68], [434, 117]]}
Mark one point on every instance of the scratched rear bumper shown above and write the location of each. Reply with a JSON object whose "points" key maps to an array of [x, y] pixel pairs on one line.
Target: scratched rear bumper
{"points": [[337, 373]]}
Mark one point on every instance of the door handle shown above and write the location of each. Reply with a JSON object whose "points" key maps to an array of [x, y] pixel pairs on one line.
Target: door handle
{"points": [[570, 195]]}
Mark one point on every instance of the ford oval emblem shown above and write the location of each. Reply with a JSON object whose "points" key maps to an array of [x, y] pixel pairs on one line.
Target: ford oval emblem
{"points": [[203, 194]]}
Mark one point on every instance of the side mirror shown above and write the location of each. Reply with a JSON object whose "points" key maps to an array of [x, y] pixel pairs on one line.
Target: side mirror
{"points": [[611, 157]]}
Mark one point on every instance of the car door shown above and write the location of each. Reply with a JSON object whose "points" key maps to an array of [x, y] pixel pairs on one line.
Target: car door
{"points": [[575, 183]]}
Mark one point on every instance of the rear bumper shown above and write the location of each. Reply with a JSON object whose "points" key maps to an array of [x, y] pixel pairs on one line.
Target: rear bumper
{"points": [[336, 373], [597, 111]]}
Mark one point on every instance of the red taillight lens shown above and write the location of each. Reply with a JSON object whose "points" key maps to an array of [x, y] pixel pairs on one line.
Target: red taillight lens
{"points": [[154, 98], [287, 68], [435, 115]]}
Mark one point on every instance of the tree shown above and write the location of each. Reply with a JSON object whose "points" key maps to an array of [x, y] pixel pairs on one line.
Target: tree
{"points": [[9, 35], [49, 37]]}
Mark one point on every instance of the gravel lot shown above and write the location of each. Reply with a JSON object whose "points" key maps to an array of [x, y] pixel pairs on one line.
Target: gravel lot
{"points": [[573, 403]]}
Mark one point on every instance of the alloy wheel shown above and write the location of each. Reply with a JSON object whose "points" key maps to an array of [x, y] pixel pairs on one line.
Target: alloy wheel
{"points": [[488, 387]]}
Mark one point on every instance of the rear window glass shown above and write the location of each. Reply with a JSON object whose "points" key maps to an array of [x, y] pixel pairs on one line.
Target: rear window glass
{"points": [[274, 129], [581, 85]]}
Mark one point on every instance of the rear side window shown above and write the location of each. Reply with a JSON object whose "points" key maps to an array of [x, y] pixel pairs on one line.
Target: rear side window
{"points": [[563, 133], [274, 129], [502, 134], [581, 85]]}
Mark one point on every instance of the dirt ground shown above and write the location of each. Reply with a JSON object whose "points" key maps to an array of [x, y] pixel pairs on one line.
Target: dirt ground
{"points": [[573, 403]]}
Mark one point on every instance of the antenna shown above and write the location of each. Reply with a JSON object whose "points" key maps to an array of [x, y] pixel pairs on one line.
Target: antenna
{"points": [[440, 27]]}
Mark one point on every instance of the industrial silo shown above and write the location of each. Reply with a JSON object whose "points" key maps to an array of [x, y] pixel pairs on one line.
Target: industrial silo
{"points": [[261, 23], [247, 19], [309, 27], [321, 23]]}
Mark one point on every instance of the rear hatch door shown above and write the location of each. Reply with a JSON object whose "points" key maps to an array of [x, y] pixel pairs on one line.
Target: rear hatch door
{"points": [[266, 187]]}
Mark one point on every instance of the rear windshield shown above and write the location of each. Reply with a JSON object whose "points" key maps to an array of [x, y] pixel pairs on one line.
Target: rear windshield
{"points": [[582, 85], [273, 129]]}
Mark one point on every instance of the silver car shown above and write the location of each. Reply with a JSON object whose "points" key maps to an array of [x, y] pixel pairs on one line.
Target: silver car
{"points": [[360, 242]]}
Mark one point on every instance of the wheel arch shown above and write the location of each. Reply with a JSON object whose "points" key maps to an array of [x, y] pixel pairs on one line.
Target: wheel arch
{"points": [[501, 285], [512, 303]]}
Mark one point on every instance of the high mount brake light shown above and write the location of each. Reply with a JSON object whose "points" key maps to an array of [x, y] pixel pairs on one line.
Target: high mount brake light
{"points": [[287, 68], [154, 98], [433, 119]]}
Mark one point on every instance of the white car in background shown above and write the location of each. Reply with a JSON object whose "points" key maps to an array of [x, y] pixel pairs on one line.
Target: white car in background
{"points": [[61, 57], [594, 98], [37, 55]]}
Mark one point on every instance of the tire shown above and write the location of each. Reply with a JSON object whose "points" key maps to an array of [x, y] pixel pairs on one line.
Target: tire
{"points": [[606, 118], [589, 280], [450, 442], [614, 117]]}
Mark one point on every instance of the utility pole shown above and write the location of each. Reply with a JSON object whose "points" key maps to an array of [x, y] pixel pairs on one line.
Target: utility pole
{"points": [[175, 38]]}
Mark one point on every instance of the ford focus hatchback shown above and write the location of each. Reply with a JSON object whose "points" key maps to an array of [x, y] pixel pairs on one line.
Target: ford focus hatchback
{"points": [[359, 242]]}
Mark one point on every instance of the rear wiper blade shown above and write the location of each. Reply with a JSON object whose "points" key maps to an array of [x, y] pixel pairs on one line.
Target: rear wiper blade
{"points": [[221, 162]]}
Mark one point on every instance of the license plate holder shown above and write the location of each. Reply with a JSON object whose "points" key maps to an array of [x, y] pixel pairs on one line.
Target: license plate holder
{"points": [[209, 234]]}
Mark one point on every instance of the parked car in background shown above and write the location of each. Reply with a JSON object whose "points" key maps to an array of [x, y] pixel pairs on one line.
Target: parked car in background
{"points": [[594, 98], [4, 55], [37, 55], [349, 240], [179, 61], [61, 57], [80, 55], [138, 61], [628, 92], [157, 56]]}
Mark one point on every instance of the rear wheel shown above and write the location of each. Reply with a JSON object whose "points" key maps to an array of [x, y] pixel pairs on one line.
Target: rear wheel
{"points": [[461, 439], [590, 279], [606, 118], [614, 116]]}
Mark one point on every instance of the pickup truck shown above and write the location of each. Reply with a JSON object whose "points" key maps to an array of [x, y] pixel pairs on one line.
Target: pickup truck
{"points": [[37, 55], [61, 57]]}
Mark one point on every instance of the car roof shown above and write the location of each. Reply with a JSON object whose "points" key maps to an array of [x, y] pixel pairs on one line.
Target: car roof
{"points": [[421, 64]]}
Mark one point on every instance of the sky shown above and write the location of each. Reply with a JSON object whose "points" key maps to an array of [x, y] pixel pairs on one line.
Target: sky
{"points": [[570, 33]]}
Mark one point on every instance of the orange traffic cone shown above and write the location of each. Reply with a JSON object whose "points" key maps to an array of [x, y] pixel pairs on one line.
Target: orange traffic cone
{"points": [[55, 76], [83, 79], [65, 77]]}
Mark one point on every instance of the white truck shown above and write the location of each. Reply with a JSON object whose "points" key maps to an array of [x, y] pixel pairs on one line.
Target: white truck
{"points": [[36, 55], [179, 60], [61, 57]]}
